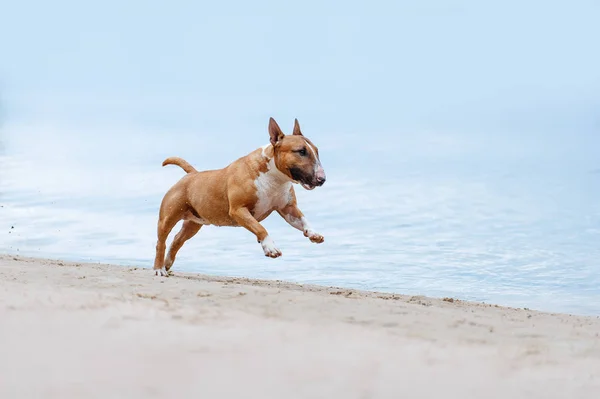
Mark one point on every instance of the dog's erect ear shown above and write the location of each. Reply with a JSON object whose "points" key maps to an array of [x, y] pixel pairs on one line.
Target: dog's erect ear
{"points": [[275, 132], [297, 131]]}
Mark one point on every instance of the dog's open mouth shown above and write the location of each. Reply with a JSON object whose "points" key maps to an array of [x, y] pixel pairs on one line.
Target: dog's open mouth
{"points": [[307, 186]]}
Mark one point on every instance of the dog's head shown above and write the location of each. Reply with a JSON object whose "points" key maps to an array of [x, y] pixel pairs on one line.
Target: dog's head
{"points": [[296, 156]]}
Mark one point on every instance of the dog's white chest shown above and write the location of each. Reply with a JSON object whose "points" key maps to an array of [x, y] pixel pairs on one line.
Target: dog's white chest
{"points": [[272, 191]]}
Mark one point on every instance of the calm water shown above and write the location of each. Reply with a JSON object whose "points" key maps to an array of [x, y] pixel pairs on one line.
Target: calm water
{"points": [[514, 221]]}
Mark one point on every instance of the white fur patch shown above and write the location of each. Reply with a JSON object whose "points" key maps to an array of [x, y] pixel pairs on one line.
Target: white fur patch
{"points": [[306, 226], [311, 149], [269, 247], [272, 189], [264, 149], [161, 272], [310, 233], [298, 223], [317, 160], [294, 222]]}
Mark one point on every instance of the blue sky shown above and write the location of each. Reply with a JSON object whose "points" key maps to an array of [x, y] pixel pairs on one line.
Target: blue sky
{"points": [[377, 66]]}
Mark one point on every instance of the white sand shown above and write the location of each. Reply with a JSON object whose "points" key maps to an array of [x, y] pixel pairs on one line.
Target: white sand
{"points": [[100, 331]]}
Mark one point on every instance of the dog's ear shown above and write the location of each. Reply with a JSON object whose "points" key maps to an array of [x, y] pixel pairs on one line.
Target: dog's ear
{"points": [[275, 132], [297, 131]]}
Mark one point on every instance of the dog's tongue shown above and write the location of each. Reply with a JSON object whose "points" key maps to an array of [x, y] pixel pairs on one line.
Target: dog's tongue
{"points": [[306, 186]]}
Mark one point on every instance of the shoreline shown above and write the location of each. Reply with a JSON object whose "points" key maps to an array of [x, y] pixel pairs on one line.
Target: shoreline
{"points": [[80, 328], [291, 285]]}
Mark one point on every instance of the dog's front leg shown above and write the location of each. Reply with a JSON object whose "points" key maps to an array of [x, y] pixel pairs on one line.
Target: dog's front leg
{"points": [[296, 219], [244, 218]]}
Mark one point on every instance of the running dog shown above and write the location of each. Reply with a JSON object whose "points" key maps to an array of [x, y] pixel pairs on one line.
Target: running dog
{"points": [[242, 194]]}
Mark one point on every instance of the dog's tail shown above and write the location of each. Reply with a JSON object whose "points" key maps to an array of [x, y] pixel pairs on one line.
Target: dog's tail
{"points": [[182, 163]]}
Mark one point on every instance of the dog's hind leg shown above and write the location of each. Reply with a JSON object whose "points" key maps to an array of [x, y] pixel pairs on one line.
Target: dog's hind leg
{"points": [[165, 225], [188, 230]]}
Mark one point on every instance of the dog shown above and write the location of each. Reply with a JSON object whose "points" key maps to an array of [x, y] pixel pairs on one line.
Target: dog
{"points": [[242, 194]]}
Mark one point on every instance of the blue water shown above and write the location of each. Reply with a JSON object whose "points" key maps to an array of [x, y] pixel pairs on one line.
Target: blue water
{"points": [[513, 219]]}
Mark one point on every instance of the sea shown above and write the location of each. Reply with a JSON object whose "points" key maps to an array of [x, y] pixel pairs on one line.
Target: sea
{"points": [[506, 218]]}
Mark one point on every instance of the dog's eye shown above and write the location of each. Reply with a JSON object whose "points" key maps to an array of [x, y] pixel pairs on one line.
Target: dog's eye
{"points": [[302, 151]]}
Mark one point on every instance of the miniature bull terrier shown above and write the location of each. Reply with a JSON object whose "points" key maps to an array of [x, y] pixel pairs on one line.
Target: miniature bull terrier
{"points": [[242, 194]]}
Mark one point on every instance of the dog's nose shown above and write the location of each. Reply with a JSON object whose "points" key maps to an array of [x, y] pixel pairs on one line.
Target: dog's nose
{"points": [[319, 175]]}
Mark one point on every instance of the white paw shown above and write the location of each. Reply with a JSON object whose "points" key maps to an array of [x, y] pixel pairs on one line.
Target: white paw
{"points": [[314, 237], [269, 248], [161, 272]]}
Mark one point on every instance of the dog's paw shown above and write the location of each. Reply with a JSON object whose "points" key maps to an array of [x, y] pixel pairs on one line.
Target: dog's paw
{"points": [[161, 272], [269, 248], [314, 237]]}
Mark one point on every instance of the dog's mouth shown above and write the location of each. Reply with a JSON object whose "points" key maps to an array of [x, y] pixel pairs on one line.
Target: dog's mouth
{"points": [[302, 178]]}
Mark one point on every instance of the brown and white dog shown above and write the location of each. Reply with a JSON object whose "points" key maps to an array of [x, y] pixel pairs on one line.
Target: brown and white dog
{"points": [[242, 194]]}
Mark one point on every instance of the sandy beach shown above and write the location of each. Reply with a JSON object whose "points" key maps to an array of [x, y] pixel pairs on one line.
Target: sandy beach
{"points": [[72, 330]]}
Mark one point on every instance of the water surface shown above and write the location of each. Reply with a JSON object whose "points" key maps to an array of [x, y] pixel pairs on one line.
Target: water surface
{"points": [[513, 220]]}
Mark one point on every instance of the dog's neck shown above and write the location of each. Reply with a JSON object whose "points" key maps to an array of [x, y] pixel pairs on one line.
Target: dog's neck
{"points": [[268, 152], [268, 160]]}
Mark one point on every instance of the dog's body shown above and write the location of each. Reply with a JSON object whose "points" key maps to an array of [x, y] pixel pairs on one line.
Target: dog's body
{"points": [[242, 194]]}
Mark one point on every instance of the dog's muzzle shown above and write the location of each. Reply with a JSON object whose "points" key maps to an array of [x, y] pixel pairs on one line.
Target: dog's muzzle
{"points": [[309, 181]]}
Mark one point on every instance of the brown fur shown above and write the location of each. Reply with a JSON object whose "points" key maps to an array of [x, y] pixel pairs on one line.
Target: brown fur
{"points": [[182, 163], [228, 196]]}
